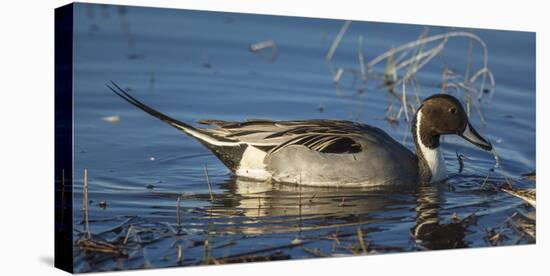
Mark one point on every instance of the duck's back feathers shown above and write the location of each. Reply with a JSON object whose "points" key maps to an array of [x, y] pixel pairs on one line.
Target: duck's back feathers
{"points": [[318, 152], [327, 136]]}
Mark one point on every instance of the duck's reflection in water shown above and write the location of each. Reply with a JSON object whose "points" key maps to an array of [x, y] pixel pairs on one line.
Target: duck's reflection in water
{"points": [[265, 208], [428, 232], [260, 199]]}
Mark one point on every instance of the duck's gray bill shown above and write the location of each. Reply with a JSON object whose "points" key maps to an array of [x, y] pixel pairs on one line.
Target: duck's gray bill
{"points": [[471, 135]]}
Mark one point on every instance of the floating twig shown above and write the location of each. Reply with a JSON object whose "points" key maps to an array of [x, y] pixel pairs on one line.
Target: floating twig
{"points": [[259, 46], [262, 45], [493, 237], [99, 246], [532, 176], [315, 252], [338, 75]]}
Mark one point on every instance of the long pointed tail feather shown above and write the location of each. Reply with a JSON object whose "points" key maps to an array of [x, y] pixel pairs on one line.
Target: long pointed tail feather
{"points": [[197, 133]]}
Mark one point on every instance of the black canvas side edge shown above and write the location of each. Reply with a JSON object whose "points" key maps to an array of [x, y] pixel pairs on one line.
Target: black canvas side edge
{"points": [[63, 258]]}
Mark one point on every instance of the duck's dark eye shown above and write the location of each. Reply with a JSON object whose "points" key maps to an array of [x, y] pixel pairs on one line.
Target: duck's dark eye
{"points": [[452, 110]]}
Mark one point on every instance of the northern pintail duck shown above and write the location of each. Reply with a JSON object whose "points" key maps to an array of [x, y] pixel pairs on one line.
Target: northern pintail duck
{"points": [[330, 152]]}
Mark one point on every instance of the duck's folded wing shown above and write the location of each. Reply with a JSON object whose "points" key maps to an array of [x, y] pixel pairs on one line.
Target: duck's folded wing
{"points": [[328, 136]]}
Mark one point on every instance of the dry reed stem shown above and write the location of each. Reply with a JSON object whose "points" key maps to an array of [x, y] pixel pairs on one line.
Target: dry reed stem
{"points": [[338, 75], [469, 59], [444, 80], [404, 53], [427, 56], [484, 72], [390, 72], [337, 40], [460, 159], [417, 56], [468, 103], [484, 182], [206, 256], [429, 39], [404, 101], [179, 253], [361, 57], [208, 182], [125, 241], [147, 263], [361, 240], [419, 59], [85, 203], [414, 60], [178, 221]]}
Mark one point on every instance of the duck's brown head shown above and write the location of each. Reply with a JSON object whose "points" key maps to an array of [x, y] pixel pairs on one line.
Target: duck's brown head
{"points": [[443, 114]]}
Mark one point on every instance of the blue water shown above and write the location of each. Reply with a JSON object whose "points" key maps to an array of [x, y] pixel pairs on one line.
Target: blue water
{"points": [[195, 65]]}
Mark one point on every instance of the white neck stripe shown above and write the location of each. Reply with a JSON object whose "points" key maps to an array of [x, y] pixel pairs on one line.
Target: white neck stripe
{"points": [[433, 157]]}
